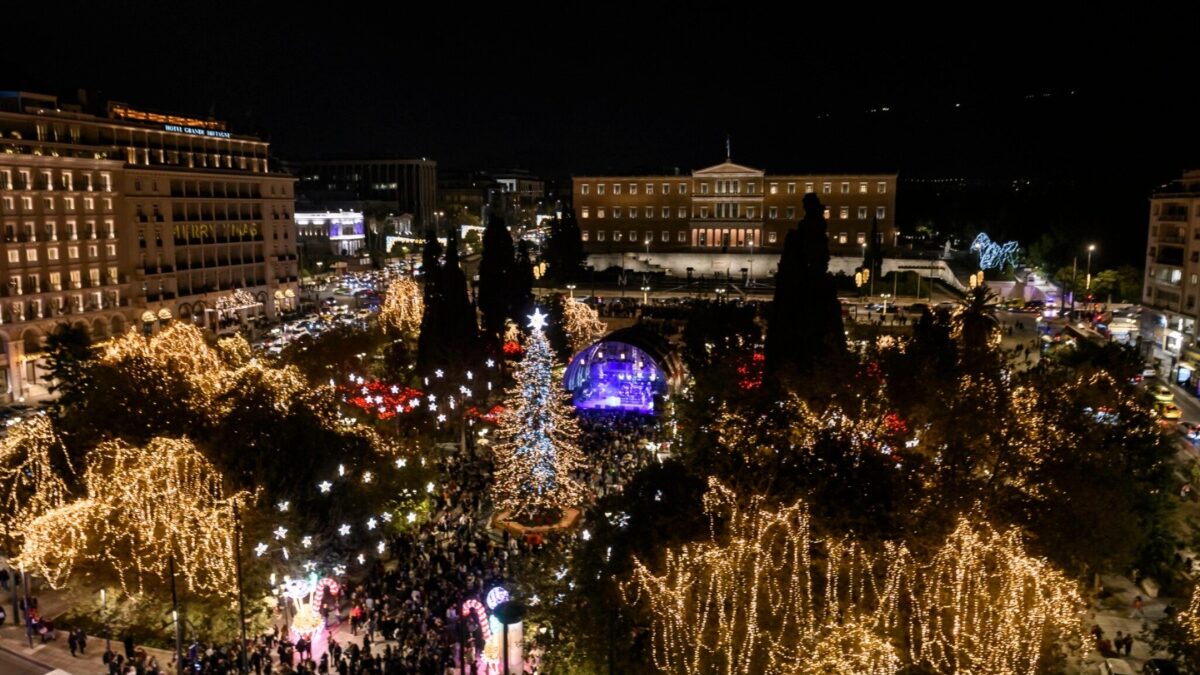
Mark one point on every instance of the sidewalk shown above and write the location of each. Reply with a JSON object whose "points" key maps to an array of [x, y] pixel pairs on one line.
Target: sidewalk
{"points": [[55, 654]]}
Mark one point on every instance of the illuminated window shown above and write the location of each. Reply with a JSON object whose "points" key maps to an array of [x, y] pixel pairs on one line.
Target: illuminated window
{"points": [[69, 203], [827, 188], [845, 188], [682, 212], [586, 212], [681, 237], [27, 203], [583, 189], [827, 213], [73, 252], [616, 212], [599, 188], [599, 235], [862, 188], [704, 188], [616, 235], [791, 212], [666, 188], [774, 189], [633, 188], [633, 236], [703, 211], [600, 212], [31, 254], [666, 236], [791, 188], [633, 212], [773, 212], [862, 213], [616, 188], [14, 256], [649, 188], [808, 187], [841, 237], [683, 188], [649, 211], [771, 237], [749, 212], [52, 254], [881, 187], [880, 212], [844, 212], [861, 238], [584, 235]]}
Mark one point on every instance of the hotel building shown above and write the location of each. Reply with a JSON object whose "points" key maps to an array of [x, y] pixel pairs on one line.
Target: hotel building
{"points": [[132, 218], [1171, 289], [728, 208]]}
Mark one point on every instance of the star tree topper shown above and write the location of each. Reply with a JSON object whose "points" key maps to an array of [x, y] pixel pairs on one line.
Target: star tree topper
{"points": [[537, 320]]}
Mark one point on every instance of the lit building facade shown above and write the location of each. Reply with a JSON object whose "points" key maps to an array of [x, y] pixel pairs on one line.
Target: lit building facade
{"points": [[133, 219], [340, 233], [727, 208], [1171, 290], [405, 185]]}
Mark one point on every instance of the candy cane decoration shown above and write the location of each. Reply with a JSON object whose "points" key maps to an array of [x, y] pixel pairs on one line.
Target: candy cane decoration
{"points": [[473, 605], [330, 584]]}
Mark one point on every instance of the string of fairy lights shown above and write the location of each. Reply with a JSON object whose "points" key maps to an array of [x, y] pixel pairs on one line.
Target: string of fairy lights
{"points": [[144, 506], [29, 451], [403, 306], [582, 324], [764, 594]]}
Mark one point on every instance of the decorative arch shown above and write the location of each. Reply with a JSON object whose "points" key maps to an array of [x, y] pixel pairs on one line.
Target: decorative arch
{"points": [[32, 339], [118, 325], [99, 329]]}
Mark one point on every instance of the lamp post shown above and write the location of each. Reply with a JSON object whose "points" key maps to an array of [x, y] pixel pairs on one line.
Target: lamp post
{"points": [[1091, 249], [645, 294], [571, 290], [720, 291]]}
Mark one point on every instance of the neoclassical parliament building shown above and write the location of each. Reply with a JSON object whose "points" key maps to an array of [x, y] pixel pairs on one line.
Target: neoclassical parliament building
{"points": [[727, 208]]}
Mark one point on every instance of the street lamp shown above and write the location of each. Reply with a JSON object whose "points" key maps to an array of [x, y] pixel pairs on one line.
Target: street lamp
{"points": [[1088, 282], [571, 288], [720, 291], [645, 294]]}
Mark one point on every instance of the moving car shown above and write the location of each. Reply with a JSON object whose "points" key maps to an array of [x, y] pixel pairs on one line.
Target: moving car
{"points": [[1169, 411], [1162, 394]]}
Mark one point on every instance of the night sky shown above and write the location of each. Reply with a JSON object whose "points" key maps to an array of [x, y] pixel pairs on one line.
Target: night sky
{"points": [[612, 88]]}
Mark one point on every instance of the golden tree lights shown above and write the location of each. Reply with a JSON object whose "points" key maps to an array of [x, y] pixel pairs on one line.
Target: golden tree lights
{"points": [[582, 324], [29, 481], [143, 506], [403, 307], [764, 594]]}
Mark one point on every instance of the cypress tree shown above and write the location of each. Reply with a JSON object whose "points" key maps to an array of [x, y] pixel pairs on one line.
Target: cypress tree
{"points": [[495, 277], [805, 320], [564, 249], [522, 284]]}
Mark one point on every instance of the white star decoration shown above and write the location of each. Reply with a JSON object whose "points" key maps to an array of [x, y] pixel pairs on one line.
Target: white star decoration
{"points": [[401, 463], [306, 542], [371, 524], [537, 320], [324, 485], [411, 517], [280, 532], [438, 372], [441, 418], [344, 530], [260, 549], [491, 363]]}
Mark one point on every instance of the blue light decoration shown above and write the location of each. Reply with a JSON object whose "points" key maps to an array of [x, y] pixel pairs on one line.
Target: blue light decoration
{"points": [[616, 376], [993, 255]]}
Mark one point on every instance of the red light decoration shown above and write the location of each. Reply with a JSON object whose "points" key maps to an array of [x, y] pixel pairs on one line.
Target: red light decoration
{"points": [[380, 399]]}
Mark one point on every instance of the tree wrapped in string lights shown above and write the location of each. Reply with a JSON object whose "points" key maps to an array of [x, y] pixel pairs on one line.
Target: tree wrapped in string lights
{"points": [[535, 454], [33, 462], [403, 308], [144, 506], [764, 593], [582, 324]]}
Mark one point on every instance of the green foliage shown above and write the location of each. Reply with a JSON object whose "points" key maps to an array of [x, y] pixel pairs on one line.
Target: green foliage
{"points": [[68, 355]]}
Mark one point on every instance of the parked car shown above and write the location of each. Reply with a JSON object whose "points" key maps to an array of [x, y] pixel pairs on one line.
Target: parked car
{"points": [[1160, 667], [1116, 667], [1149, 371]]}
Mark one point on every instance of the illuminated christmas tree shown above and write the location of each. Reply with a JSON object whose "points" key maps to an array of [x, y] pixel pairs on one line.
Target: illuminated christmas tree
{"points": [[535, 454]]}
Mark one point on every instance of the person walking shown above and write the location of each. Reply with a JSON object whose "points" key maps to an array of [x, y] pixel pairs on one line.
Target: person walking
{"points": [[1137, 608], [72, 642], [81, 639]]}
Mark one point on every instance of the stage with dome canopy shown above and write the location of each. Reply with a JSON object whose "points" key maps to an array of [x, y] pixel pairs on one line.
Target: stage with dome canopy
{"points": [[631, 370]]}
